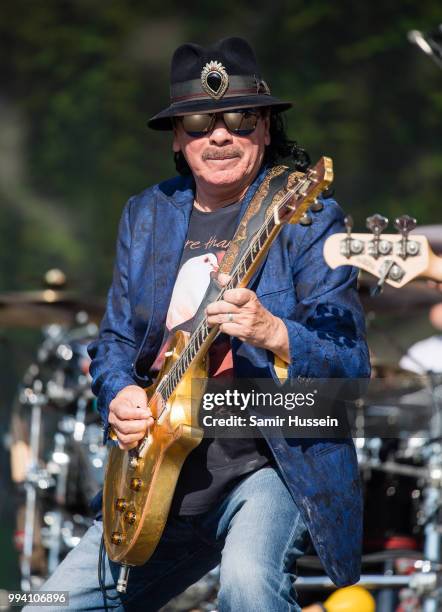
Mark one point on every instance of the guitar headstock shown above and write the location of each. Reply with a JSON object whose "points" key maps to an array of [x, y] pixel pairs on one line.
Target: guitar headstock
{"points": [[395, 259], [303, 190]]}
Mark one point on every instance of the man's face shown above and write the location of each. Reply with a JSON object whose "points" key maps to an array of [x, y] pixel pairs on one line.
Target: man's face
{"points": [[221, 157]]}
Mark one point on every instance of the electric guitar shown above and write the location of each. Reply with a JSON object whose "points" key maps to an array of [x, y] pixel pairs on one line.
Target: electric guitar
{"points": [[140, 483], [395, 259]]}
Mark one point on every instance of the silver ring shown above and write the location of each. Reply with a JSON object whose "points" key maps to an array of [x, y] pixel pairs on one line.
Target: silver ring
{"points": [[230, 317]]}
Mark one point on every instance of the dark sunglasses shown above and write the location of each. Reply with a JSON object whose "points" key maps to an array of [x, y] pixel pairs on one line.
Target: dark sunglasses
{"points": [[241, 122]]}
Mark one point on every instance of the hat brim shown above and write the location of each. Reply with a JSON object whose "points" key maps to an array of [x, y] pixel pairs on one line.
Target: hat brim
{"points": [[163, 120]]}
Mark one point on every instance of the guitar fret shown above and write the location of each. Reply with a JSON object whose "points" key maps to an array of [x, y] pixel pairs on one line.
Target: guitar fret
{"points": [[190, 354], [203, 331], [175, 379], [270, 225]]}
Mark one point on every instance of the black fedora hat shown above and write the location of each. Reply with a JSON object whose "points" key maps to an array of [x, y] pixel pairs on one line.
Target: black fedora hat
{"points": [[220, 77]]}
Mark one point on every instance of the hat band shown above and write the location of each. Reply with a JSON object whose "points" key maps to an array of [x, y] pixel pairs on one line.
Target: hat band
{"points": [[238, 86]]}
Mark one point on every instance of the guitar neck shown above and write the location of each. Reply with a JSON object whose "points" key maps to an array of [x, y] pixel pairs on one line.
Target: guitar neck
{"points": [[434, 269]]}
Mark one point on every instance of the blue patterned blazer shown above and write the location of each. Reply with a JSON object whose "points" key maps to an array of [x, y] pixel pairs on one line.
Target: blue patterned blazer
{"points": [[325, 323]]}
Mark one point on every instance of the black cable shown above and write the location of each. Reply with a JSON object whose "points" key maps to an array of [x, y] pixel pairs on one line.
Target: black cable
{"points": [[102, 575]]}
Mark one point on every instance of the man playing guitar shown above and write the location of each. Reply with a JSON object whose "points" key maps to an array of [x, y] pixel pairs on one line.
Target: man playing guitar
{"points": [[252, 505]]}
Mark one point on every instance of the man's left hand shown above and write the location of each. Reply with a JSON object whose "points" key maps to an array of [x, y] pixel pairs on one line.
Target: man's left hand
{"points": [[241, 314]]}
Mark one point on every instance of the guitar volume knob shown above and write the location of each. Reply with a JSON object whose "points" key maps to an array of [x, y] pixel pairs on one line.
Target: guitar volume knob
{"points": [[117, 538], [136, 484], [121, 504], [130, 517]]}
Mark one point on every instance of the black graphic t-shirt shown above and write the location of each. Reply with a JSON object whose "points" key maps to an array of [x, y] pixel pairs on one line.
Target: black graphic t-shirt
{"points": [[217, 464]]}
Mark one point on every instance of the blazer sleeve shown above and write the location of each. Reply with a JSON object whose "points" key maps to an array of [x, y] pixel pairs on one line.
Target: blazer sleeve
{"points": [[327, 330], [113, 352]]}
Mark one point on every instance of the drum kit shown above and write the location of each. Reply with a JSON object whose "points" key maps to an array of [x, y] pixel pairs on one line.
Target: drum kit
{"points": [[56, 453], [57, 457]]}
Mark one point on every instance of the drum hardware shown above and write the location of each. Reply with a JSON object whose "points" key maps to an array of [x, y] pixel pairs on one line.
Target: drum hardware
{"points": [[392, 467], [418, 458], [73, 529], [424, 582], [65, 439], [33, 397], [35, 309]]}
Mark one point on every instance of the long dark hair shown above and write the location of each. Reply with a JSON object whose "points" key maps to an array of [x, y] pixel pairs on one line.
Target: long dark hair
{"points": [[280, 149]]}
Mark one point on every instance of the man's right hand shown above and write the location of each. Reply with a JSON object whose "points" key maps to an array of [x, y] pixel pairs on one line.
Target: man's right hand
{"points": [[130, 416]]}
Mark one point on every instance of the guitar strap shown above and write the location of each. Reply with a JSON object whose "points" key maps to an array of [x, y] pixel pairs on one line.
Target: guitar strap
{"points": [[271, 190]]}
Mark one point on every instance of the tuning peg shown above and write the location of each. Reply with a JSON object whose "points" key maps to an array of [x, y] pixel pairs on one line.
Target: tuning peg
{"points": [[348, 220], [404, 224], [305, 219], [376, 224], [316, 205]]}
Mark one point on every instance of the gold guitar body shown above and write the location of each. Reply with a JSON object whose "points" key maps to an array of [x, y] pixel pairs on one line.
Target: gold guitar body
{"points": [[139, 487]]}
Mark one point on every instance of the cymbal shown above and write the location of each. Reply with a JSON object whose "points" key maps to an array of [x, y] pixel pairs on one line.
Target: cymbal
{"points": [[392, 381], [387, 369], [34, 309]]}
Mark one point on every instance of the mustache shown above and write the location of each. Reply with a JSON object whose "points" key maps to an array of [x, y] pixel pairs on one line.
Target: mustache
{"points": [[222, 153]]}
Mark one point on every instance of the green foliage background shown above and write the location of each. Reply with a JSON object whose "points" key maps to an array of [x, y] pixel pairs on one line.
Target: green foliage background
{"points": [[80, 78]]}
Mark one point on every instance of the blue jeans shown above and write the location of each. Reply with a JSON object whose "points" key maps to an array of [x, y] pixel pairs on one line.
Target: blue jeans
{"points": [[256, 533]]}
